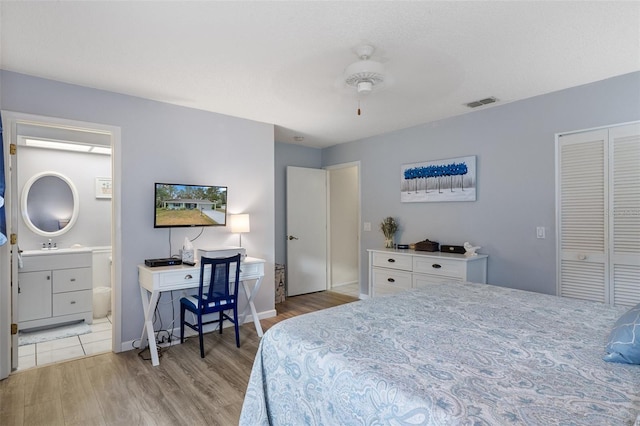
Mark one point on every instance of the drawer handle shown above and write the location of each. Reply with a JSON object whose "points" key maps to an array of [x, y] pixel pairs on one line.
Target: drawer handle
{"points": [[72, 280], [188, 277], [391, 260], [437, 266], [391, 280], [73, 302]]}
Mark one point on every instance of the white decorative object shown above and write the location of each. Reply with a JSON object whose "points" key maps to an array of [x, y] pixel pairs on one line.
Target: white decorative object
{"points": [[470, 250]]}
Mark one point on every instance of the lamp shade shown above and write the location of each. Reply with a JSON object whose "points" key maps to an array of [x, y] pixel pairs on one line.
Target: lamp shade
{"points": [[239, 223]]}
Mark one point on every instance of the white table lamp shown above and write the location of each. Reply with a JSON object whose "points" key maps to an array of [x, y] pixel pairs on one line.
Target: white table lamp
{"points": [[239, 224]]}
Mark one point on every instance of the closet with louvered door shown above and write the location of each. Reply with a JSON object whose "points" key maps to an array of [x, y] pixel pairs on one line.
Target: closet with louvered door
{"points": [[598, 205]]}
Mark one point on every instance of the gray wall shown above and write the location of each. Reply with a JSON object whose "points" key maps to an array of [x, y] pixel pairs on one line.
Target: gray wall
{"points": [[167, 143], [515, 148], [288, 155]]}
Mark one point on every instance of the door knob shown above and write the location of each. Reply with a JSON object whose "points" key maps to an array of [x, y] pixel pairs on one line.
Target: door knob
{"points": [[291, 237]]}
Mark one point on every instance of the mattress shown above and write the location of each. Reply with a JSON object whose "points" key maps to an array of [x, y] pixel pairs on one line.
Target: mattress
{"points": [[449, 354]]}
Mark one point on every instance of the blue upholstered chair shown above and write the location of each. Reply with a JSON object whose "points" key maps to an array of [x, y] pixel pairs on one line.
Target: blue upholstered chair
{"points": [[218, 292]]}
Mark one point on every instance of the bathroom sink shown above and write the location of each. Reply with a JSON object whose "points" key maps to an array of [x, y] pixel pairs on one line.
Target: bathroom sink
{"points": [[45, 252]]}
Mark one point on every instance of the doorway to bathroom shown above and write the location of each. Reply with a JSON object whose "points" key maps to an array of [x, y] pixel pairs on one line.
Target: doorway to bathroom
{"points": [[62, 312]]}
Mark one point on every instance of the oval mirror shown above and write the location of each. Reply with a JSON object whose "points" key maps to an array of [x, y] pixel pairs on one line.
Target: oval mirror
{"points": [[49, 204]]}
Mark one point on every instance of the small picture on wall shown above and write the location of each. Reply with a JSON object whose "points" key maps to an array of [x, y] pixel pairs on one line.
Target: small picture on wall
{"points": [[453, 179], [103, 187]]}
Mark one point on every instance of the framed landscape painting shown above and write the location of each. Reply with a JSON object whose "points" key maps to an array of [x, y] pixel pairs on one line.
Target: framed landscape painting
{"points": [[453, 179]]}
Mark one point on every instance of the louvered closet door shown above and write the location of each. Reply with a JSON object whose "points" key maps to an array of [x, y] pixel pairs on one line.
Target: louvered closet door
{"points": [[625, 220], [583, 216], [599, 215]]}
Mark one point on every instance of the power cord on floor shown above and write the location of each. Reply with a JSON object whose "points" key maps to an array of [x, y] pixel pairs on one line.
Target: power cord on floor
{"points": [[162, 336]]}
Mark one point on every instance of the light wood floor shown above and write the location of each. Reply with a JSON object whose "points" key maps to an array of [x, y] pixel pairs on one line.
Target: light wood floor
{"points": [[124, 389]]}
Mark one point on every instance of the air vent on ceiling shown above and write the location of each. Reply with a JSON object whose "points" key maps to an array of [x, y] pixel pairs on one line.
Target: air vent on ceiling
{"points": [[481, 102]]}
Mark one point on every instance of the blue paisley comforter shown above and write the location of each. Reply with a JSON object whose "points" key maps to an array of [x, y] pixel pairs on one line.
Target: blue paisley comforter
{"points": [[452, 354]]}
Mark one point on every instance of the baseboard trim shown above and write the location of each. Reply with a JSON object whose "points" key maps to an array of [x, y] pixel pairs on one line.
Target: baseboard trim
{"points": [[344, 283]]}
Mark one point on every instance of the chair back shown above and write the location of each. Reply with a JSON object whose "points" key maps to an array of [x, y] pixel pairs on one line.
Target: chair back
{"points": [[221, 276]]}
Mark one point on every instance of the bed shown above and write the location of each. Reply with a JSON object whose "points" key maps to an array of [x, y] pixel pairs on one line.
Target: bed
{"points": [[451, 354]]}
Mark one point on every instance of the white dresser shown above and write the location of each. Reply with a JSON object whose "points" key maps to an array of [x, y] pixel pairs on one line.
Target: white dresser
{"points": [[55, 287], [393, 270]]}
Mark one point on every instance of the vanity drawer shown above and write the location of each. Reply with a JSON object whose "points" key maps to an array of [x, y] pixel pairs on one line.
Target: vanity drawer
{"points": [[72, 279], [72, 302], [442, 267], [386, 281], [392, 260]]}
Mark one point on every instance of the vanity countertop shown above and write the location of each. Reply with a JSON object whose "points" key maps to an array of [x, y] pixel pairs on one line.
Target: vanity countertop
{"points": [[49, 252]]}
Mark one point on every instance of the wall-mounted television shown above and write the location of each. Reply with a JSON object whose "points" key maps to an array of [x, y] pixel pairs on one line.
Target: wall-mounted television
{"points": [[179, 205]]}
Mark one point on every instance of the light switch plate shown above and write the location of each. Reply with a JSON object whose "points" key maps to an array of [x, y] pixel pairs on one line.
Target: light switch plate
{"points": [[540, 232]]}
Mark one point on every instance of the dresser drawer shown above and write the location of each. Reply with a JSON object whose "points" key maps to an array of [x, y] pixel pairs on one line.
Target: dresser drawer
{"points": [[441, 267], [392, 260], [72, 279], [391, 271], [425, 280], [387, 281], [72, 302]]}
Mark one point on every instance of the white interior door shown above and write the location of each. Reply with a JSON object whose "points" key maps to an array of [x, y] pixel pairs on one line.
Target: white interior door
{"points": [[5, 260], [624, 223], [9, 257], [306, 230], [582, 216]]}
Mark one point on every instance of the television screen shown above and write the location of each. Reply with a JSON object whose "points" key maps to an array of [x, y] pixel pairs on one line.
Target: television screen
{"points": [[189, 205]]}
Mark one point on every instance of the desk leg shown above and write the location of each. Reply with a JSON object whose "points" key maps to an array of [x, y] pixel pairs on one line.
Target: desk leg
{"points": [[149, 303], [250, 305]]}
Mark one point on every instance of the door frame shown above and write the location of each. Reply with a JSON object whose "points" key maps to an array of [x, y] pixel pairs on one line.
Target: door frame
{"points": [[329, 169], [10, 120]]}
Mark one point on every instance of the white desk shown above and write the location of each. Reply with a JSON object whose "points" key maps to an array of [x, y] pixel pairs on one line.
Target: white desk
{"points": [[154, 281]]}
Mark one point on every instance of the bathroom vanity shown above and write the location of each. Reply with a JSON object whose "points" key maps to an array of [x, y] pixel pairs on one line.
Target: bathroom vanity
{"points": [[55, 287]]}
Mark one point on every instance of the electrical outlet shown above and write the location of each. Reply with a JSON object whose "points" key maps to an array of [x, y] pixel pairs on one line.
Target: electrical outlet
{"points": [[367, 226], [540, 232]]}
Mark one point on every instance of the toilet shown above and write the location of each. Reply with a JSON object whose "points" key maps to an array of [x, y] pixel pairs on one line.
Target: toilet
{"points": [[101, 282]]}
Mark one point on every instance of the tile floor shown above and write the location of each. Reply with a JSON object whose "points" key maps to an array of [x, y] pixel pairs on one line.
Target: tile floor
{"points": [[98, 341]]}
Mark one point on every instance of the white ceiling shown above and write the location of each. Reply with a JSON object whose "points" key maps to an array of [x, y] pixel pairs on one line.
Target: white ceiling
{"points": [[280, 62]]}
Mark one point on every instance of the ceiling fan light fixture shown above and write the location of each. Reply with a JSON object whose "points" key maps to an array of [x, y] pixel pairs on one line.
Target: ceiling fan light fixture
{"points": [[365, 87], [366, 73]]}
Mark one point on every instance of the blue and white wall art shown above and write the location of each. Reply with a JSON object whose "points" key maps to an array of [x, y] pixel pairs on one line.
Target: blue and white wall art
{"points": [[453, 179]]}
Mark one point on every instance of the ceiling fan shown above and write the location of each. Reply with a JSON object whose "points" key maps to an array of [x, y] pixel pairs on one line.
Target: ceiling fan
{"points": [[366, 74]]}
